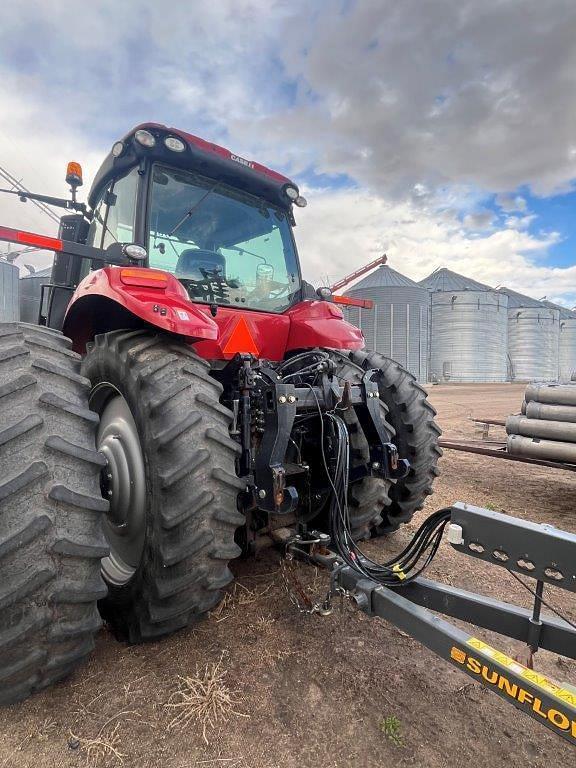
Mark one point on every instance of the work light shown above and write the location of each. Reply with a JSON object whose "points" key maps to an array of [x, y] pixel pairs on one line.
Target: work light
{"points": [[175, 144], [291, 192], [145, 138]]}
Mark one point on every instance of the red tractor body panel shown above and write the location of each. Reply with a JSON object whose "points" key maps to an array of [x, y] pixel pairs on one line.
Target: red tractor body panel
{"points": [[306, 325], [321, 324], [158, 299], [263, 334], [154, 297]]}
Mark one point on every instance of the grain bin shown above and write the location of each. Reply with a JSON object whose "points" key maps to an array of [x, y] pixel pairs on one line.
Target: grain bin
{"points": [[533, 338], [30, 291], [397, 326], [567, 345], [468, 329], [9, 274]]}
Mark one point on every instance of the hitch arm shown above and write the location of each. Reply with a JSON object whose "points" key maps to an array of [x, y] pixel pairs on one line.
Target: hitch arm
{"points": [[551, 703], [384, 460], [278, 413]]}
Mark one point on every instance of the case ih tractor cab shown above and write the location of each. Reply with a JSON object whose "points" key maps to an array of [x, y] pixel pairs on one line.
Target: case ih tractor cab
{"points": [[187, 397]]}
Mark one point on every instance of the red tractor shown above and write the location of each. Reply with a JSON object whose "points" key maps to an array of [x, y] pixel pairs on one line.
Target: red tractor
{"points": [[168, 410]]}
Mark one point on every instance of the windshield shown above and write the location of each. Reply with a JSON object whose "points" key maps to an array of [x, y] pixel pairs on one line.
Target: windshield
{"points": [[224, 245]]}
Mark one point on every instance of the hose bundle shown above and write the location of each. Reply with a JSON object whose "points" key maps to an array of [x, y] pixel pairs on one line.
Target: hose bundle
{"points": [[408, 564]]}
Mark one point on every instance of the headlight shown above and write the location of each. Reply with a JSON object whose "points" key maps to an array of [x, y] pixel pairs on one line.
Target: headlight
{"points": [[135, 252], [145, 138], [176, 145], [117, 149], [291, 192]]}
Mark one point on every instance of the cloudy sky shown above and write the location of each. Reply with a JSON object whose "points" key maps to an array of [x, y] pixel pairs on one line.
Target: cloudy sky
{"points": [[440, 132]]}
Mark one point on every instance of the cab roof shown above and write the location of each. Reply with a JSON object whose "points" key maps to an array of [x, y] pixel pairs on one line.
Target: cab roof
{"points": [[204, 157]]}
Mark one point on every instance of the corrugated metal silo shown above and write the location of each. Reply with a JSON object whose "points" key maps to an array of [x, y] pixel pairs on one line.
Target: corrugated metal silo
{"points": [[468, 329], [9, 275], [30, 291], [533, 338], [567, 345], [397, 327]]}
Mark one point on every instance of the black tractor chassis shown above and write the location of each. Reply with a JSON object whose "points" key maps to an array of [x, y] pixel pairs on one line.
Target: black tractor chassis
{"points": [[264, 402]]}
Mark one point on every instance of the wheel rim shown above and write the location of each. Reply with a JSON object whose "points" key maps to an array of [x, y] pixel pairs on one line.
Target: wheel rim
{"points": [[123, 483]]}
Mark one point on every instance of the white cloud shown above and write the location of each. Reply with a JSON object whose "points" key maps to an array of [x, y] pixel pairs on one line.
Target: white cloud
{"points": [[436, 92], [481, 220], [511, 203], [340, 231], [429, 107], [35, 148]]}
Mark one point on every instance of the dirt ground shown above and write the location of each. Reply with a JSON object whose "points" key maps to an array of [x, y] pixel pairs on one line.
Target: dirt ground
{"points": [[336, 691]]}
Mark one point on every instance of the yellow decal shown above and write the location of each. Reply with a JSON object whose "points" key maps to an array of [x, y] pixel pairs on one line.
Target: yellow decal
{"points": [[480, 664], [568, 696]]}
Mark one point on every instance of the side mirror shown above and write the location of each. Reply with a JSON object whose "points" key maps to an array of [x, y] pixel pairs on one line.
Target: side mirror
{"points": [[324, 294]]}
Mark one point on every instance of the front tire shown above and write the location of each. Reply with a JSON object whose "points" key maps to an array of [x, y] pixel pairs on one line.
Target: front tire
{"points": [[171, 482]]}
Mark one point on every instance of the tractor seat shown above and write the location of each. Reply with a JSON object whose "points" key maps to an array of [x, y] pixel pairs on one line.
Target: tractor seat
{"points": [[192, 261]]}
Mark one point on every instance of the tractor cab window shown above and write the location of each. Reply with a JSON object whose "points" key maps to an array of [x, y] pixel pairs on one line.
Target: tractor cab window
{"points": [[224, 245], [114, 215]]}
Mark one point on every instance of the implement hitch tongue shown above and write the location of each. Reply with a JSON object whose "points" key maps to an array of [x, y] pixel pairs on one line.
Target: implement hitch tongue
{"points": [[396, 592]]}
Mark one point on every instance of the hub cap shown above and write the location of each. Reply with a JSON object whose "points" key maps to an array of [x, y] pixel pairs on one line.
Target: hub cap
{"points": [[123, 483]]}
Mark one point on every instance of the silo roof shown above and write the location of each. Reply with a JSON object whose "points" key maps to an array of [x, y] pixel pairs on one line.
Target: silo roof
{"points": [[516, 299], [39, 273], [384, 277], [565, 313], [446, 280]]}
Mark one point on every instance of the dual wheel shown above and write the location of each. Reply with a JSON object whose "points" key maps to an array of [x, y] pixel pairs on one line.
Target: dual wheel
{"points": [[139, 532]]}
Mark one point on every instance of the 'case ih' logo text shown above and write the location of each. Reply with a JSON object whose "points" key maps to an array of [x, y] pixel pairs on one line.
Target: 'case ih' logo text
{"points": [[241, 160]]}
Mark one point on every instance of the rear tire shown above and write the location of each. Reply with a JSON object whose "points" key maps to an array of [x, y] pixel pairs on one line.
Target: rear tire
{"points": [[416, 437], [51, 511], [176, 571]]}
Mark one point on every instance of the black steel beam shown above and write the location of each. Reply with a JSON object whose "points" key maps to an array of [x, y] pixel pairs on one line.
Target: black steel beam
{"points": [[310, 397], [480, 450], [535, 550], [551, 703], [506, 619]]}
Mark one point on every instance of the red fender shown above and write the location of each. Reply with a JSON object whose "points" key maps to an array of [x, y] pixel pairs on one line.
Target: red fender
{"points": [[129, 297], [321, 324]]}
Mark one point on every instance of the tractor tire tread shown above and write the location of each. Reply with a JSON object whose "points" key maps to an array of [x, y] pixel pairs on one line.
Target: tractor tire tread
{"points": [[44, 590], [412, 416], [184, 431]]}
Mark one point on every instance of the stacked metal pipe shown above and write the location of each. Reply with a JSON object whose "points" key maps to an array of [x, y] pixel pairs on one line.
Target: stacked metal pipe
{"points": [[546, 429]]}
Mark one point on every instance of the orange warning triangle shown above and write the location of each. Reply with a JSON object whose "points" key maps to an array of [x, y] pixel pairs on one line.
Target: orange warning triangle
{"points": [[241, 340]]}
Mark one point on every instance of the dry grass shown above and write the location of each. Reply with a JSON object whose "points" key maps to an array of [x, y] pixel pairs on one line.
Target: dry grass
{"points": [[203, 699], [238, 596], [104, 749], [46, 729], [271, 655], [264, 623]]}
